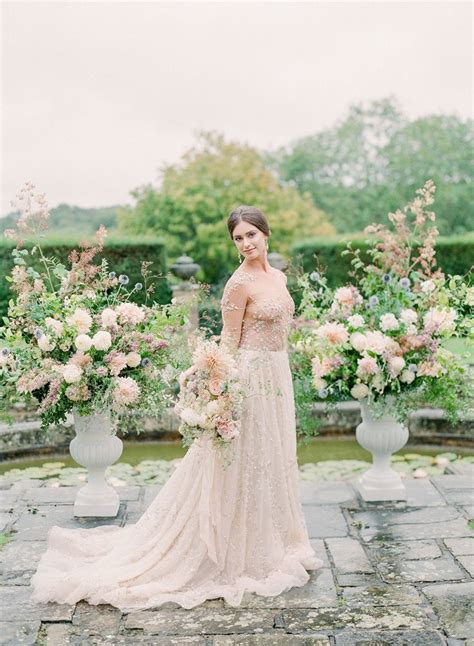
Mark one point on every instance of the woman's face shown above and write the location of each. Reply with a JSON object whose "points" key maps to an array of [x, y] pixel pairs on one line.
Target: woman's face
{"points": [[249, 240]]}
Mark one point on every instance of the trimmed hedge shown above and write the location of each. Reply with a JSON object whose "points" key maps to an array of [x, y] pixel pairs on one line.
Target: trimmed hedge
{"points": [[455, 255], [124, 255]]}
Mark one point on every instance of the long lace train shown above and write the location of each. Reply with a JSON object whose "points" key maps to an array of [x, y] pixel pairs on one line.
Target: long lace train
{"points": [[211, 531]]}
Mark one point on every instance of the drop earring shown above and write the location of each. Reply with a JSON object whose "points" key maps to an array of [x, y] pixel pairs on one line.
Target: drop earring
{"points": [[266, 243], [240, 257]]}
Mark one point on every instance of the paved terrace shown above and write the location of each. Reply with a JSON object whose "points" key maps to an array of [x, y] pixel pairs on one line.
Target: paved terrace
{"points": [[398, 573]]}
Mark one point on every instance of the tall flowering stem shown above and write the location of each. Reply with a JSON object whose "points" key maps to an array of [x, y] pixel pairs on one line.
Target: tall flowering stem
{"points": [[74, 339], [386, 332]]}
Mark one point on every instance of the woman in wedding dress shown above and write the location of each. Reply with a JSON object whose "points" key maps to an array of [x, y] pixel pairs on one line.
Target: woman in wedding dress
{"points": [[211, 531]]}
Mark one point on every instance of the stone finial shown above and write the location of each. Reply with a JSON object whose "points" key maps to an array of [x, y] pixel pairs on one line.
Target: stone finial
{"points": [[185, 267]]}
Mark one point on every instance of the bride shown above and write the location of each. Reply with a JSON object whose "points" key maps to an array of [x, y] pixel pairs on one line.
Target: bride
{"points": [[211, 531]]}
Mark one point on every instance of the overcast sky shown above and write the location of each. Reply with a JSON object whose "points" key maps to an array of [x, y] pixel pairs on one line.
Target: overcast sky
{"points": [[97, 95]]}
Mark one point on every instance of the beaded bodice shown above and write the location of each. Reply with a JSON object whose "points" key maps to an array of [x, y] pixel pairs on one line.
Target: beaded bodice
{"points": [[257, 310]]}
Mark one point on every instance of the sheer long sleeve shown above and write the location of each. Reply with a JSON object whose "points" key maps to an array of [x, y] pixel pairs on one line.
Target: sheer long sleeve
{"points": [[233, 304]]}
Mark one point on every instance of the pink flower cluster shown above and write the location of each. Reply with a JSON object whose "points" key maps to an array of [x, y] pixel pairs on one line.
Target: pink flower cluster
{"points": [[210, 396]]}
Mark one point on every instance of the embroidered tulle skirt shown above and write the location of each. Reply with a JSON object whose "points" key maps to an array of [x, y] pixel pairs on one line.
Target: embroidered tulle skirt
{"points": [[211, 531]]}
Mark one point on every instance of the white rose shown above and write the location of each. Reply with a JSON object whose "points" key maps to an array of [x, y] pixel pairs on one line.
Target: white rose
{"points": [[83, 342], [45, 344], [359, 391], [356, 320], [407, 376], [358, 341], [408, 316], [102, 340], [133, 359], [388, 322], [109, 317], [71, 373]]}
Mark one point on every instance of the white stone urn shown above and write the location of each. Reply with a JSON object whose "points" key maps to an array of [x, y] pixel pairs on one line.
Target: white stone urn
{"points": [[381, 437], [95, 447]]}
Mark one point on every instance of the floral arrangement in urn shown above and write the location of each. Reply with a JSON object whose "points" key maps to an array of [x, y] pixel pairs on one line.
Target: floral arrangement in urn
{"points": [[74, 338], [384, 333], [211, 396]]}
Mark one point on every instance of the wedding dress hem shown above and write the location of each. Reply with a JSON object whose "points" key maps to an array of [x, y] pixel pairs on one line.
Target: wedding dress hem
{"points": [[292, 572]]}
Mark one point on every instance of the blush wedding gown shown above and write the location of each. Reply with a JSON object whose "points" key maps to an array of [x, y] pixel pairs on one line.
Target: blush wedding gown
{"points": [[211, 531]]}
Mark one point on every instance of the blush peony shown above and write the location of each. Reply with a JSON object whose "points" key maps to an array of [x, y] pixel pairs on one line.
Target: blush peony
{"points": [[81, 320], [130, 313], [333, 333], [108, 317], [133, 359], [126, 390]]}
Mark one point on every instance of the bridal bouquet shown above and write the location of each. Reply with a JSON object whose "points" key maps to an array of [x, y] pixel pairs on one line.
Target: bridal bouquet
{"points": [[384, 333], [73, 337], [210, 398]]}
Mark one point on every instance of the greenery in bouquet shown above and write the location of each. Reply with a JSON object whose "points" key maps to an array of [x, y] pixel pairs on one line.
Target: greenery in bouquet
{"points": [[74, 338], [211, 396], [384, 333]]}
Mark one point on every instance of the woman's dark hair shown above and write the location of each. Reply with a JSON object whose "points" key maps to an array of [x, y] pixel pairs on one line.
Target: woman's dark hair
{"points": [[250, 214]]}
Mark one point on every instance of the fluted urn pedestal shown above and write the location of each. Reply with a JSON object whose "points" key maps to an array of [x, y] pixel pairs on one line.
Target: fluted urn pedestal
{"points": [[95, 447], [381, 437]]}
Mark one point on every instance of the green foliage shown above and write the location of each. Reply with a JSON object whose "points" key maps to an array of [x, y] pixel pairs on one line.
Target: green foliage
{"points": [[123, 255], [67, 220], [454, 256], [190, 208], [372, 160]]}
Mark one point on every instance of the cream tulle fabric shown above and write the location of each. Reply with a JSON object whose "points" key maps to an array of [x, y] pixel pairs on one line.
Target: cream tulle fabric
{"points": [[210, 532]]}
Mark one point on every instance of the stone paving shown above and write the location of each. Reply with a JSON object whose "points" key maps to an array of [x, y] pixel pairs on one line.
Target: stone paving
{"points": [[398, 573]]}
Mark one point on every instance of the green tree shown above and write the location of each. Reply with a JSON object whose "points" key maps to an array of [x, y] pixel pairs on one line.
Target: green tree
{"points": [[190, 207], [439, 148], [371, 161]]}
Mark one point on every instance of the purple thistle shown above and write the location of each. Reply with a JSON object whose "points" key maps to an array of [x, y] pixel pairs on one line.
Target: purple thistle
{"points": [[386, 278], [405, 282], [373, 301]]}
